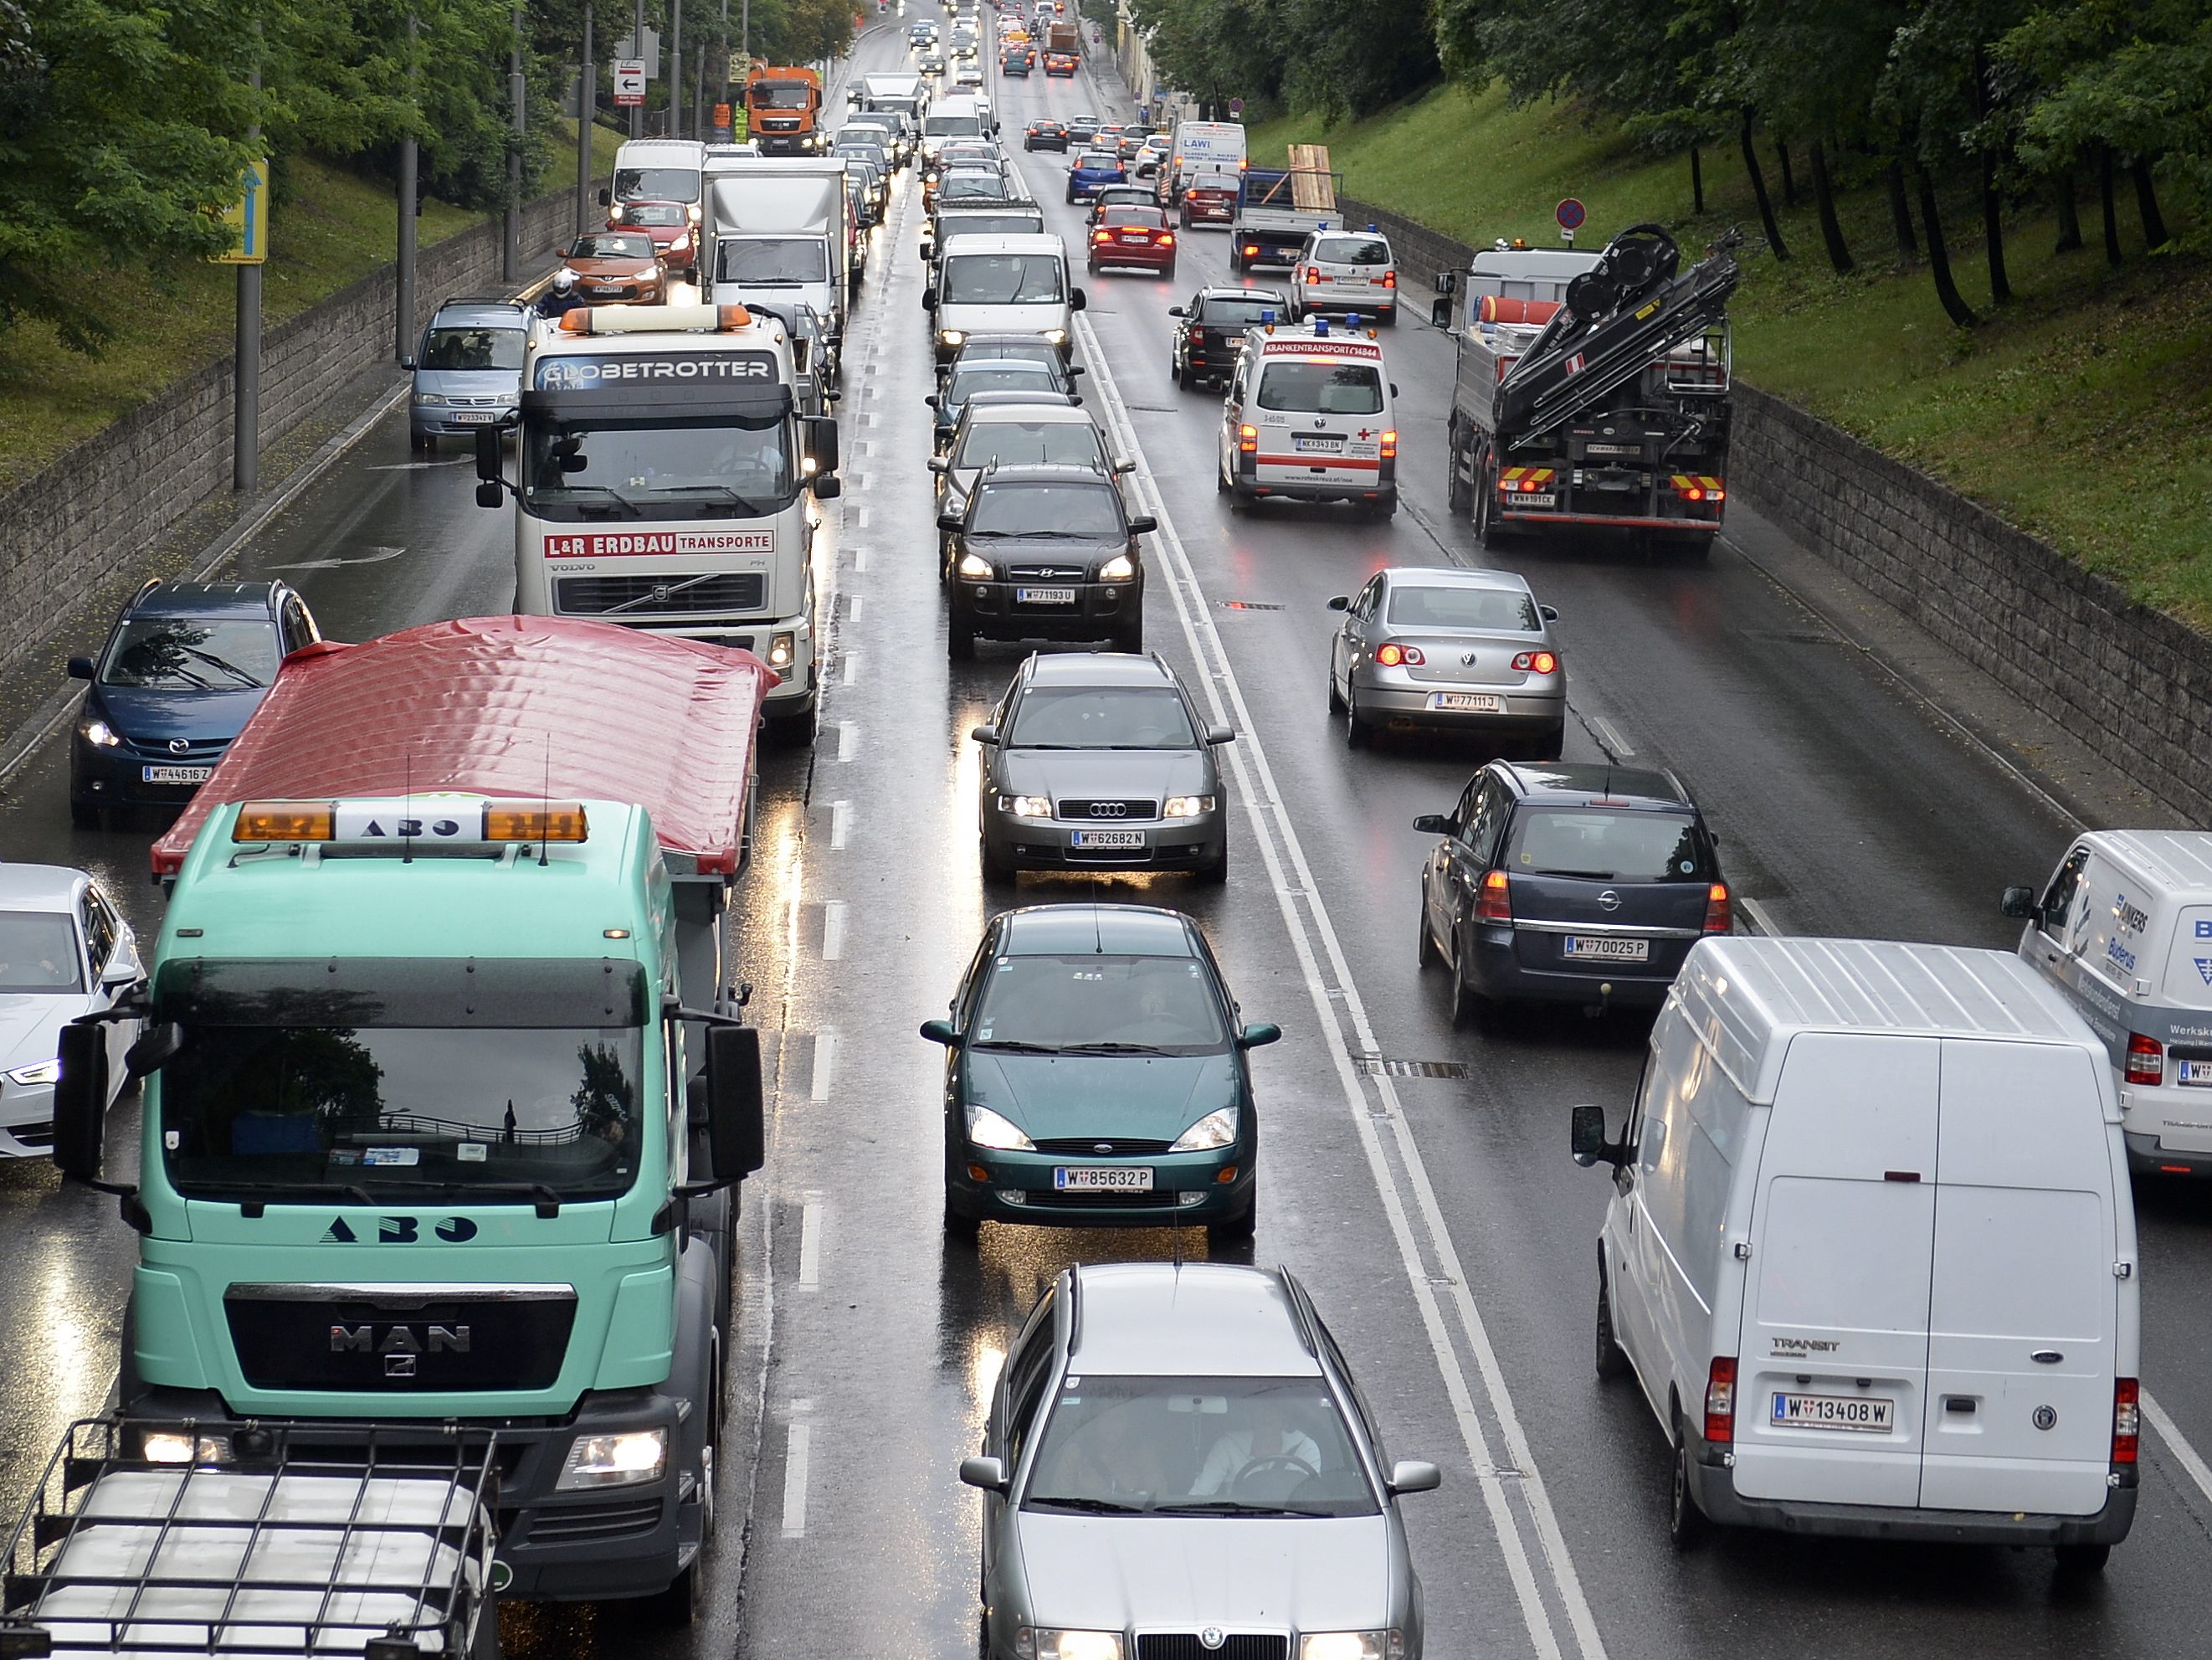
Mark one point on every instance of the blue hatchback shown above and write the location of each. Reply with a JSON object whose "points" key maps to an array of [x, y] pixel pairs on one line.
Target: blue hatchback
{"points": [[184, 667], [1093, 171]]}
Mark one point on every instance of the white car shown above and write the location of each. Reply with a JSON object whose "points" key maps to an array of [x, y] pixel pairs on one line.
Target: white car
{"points": [[969, 74], [65, 951], [1343, 272]]}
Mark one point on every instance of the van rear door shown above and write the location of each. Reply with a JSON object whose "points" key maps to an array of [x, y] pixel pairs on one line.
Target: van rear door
{"points": [[2025, 1308], [1832, 1362]]}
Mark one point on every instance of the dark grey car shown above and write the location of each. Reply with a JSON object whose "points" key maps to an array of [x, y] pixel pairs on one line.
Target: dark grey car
{"points": [[1177, 1462], [1045, 553], [997, 428], [1099, 761]]}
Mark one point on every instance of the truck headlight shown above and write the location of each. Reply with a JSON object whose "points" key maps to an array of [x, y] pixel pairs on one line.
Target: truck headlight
{"points": [[1119, 569], [987, 1128], [1216, 1129], [100, 732], [1021, 806], [181, 1447], [976, 569], [46, 1072], [1185, 807], [614, 1461], [781, 648], [1352, 1645]]}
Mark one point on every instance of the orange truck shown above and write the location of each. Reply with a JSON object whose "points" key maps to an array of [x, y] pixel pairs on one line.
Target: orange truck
{"points": [[783, 108]]}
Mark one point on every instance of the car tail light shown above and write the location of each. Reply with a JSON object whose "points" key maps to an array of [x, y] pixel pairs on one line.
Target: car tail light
{"points": [[1391, 445], [1248, 440], [2127, 1420], [1102, 236], [2146, 1060], [1313, 273], [1720, 1401], [1389, 279], [1251, 250], [1394, 655], [1165, 239], [1493, 901], [1537, 662], [1720, 909]]}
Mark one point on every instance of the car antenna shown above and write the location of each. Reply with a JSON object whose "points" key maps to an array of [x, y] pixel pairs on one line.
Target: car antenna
{"points": [[545, 807], [407, 812]]}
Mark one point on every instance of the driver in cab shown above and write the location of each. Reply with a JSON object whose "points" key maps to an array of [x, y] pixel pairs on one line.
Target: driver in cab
{"points": [[1270, 1443]]}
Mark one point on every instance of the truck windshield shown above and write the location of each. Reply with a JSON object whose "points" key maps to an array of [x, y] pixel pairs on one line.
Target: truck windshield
{"points": [[385, 1108], [772, 259], [781, 95], [1321, 389], [1004, 279], [657, 468], [656, 184]]}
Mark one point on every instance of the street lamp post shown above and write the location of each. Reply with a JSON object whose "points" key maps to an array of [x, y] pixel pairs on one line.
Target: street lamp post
{"points": [[403, 318], [588, 98], [512, 262]]}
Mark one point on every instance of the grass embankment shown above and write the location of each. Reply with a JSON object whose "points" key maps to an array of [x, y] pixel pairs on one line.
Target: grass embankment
{"points": [[332, 228], [2081, 411]]}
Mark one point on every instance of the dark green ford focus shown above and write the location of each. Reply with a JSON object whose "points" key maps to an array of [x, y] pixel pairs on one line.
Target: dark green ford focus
{"points": [[1096, 1077]]}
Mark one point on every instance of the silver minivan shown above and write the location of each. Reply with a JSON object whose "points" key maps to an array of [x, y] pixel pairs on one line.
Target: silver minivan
{"points": [[468, 369], [1002, 285]]}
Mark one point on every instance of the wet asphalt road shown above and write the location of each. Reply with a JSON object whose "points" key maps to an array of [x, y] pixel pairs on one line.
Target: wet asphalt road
{"points": [[1437, 1222]]}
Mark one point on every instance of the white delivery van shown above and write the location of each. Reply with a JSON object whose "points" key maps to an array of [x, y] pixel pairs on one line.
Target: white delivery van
{"points": [[2123, 929], [1310, 416], [1002, 285], [957, 117], [1201, 147], [1871, 1250]]}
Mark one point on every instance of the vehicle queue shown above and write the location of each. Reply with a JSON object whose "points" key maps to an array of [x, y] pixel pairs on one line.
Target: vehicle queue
{"points": [[1098, 1063]]}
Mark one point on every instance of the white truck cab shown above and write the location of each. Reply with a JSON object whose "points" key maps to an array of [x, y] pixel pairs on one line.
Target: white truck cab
{"points": [[1871, 1250], [1310, 416]]}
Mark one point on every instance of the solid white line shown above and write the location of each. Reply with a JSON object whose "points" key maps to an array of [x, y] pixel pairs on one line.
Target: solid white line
{"points": [[2177, 1444], [833, 929], [841, 824], [1263, 807], [825, 1064], [848, 733], [810, 1244], [796, 1449]]}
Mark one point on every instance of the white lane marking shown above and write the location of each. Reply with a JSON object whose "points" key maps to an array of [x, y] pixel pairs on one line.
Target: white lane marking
{"points": [[852, 668], [1761, 918], [809, 1243], [851, 608], [860, 518], [2177, 1444], [841, 824], [860, 559], [825, 1065], [1608, 734], [1264, 808], [419, 466], [796, 1449], [848, 733], [373, 556], [833, 929]]}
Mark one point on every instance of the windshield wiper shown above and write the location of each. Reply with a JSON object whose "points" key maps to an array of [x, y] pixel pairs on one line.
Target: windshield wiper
{"points": [[549, 1200], [1115, 1048], [210, 659], [300, 1190], [1017, 1046], [724, 490], [631, 502], [1087, 1506], [1229, 1507], [1594, 875]]}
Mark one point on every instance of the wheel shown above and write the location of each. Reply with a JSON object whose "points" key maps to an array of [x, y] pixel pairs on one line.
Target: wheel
{"points": [[676, 1608], [1186, 219], [1686, 1523], [2083, 1558], [1457, 498], [1336, 697], [959, 639], [793, 731], [1171, 268], [1382, 512], [421, 442], [960, 1230], [1220, 480], [1215, 874], [1487, 530], [1425, 952], [1238, 1228], [1071, 199], [1693, 548], [1466, 1003], [1242, 501], [1357, 735], [997, 867], [1389, 319], [1612, 1361]]}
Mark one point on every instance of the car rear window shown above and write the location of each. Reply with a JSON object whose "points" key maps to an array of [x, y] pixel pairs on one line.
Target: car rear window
{"points": [[1463, 608], [1352, 250], [1008, 377], [1608, 844], [1150, 218], [1253, 310], [1097, 159], [1321, 388]]}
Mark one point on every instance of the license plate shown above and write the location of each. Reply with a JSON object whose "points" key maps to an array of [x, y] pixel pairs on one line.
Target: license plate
{"points": [[1612, 449], [1866, 1414], [1467, 703], [1102, 1178], [1318, 445], [1137, 237], [1519, 502], [1123, 839], [174, 774], [1610, 949], [474, 417], [1044, 596], [2194, 1072]]}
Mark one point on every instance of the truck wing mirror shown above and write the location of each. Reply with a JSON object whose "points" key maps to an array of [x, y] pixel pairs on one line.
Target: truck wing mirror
{"points": [[929, 299], [606, 198], [1447, 281], [80, 1100], [487, 457], [822, 443], [1440, 311], [1076, 302], [489, 494], [2019, 903], [1586, 1137], [736, 1126], [827, 486]]}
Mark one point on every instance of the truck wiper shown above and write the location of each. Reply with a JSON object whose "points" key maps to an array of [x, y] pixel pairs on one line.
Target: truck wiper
{"points": [[288, 1190], [549, 1200], [723, 490], [631, 502]]}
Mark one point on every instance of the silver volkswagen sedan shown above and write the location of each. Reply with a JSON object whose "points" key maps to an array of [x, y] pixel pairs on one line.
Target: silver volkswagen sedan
{"points": [[1174, 1464], [1465, 649]]}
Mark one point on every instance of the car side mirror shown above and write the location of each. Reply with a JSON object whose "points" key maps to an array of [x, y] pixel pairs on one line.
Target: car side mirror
{"points": [[933, 401], [737, 1124], [1433, 824], [929, 299], [986, 733], [1259, 1034], [80, 1100], [1178, 311], [1076, 302], [1123, 465], [1143, 525], [1220, 735], [1340, 602], [1075, 370], [1549, 613], [1586, 1137], [988, 1473], [1414, 1475], [2019, 903], [407, 363], [1440, 314], [940, 464], [948, 521], [123, 969], [941, 1032], [80, 668]]}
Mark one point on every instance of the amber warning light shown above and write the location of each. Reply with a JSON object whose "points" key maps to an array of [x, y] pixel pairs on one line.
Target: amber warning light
{"points": [[411, 821]]}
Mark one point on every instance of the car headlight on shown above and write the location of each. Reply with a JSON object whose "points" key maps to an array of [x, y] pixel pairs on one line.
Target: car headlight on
{"points": [[976, 569], [1352, 1645], [1119, 569], [428, 398], [1026, 806], [781, 648], [1185, 807], [987, 1128], [1058, 338], [1216, 1129], [614, 1461], [100, 732], [952, 336], [46, 1072], [1044, 1643]]}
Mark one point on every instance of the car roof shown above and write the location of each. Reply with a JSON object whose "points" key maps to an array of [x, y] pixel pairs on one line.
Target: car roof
{"points": [[496, 311], [1096, 668], [1229, 291], [1441, 576], [1016, 244], [1028, 365], [39, 887], [1581, 783], [1044, 473], [208, 598], [1190, 1319], [1020, 406], [998, 339], [1109, 930]]}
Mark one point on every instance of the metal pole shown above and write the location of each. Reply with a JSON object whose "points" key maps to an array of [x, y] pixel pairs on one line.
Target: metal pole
{"points": [[675, 69], [699, 94], [746, 32], [246, 359], [402, 310], [511, 262], [637, 50], [587, 98]]}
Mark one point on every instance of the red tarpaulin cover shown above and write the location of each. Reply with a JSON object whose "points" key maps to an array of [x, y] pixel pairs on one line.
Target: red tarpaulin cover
{"points": [[483, 705]]}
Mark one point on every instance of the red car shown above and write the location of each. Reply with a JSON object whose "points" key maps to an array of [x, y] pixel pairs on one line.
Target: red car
{"points": [[1136, 236], [670, 224], [1209, 197]]}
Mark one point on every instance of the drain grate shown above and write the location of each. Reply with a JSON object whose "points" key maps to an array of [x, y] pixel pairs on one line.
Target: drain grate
{"points": [[1249, 604], [1794, 636], [1383, 1066]]}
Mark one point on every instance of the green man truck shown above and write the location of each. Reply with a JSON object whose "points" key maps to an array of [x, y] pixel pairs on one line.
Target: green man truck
{"points": [[444, 1098]]}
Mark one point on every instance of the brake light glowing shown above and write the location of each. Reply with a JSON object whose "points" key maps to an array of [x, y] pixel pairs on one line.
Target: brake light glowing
{"points": [[1313, 273], [1394, 655], [2127, 1420], [1720, 909], [1537, 662], [1493, 902], [1720, 1401], [1251, 250], [1102, 236], [1389, 279], [1248, 440], [2146, 1060], [1165, 239], [1391, 445]]}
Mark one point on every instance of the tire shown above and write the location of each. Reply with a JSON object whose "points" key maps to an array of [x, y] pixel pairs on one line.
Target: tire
{"points": [[1487, 528], [1171, 271], [997, 867], [1185, 218], [676, 1608], [958, 1228], [1238, 1229], [1217, 874], [421, 442], [1612, 1359], [1468, 1007], [1548, 744], [1458, 498], [1220, 480], [959, 640], [84, 816], [1357, 734], [1389, 319], [792, 732], [1693, 548], [1686, 1525], [1130, 638], [1426, 954], [1336, 697], [2083, 1558]]}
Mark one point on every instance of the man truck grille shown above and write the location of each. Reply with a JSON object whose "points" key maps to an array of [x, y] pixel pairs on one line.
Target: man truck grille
{"points": [[399, 1339]]}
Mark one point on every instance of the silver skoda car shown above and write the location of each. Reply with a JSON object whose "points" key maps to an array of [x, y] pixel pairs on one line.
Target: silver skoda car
{"points": [[1098, 761], [1176, 1466]]}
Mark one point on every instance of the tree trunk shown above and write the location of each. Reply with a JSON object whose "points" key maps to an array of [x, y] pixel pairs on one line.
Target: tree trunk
{"points": [[1788, 178], [1831, 230], [2069, 221], [1696, 181], [2105, 200], [1766, 219], [1993, 231], [2154, 222], [1900, 213], [1939, 257]]}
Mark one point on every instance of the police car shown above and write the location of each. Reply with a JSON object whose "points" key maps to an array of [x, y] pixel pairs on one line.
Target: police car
{"points": [[1310, 416], [1347, 271]]}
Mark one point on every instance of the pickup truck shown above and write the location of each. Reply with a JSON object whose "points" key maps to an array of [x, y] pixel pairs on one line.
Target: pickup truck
{"points": [[1277, 209]]}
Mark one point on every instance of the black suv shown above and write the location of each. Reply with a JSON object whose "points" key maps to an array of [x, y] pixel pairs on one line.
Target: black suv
{"points": [[1045, 553], [1210, 329], [1568, 881]]}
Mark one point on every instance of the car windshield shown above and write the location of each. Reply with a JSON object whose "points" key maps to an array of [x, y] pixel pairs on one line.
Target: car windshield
{"points": [[1609, 846], [787, 260], [999, 377], [1004, 279], [1464, 608], [1095, 1001], [1232, 1446], [191, 653], [1030, 443], [37, 952], [1101, 718], [656, 184], [952, 126], [780, 94], [657, 468], [474, 348], [663, 213], [1352, 250], [402, 1108], [1090, 513], [612, 245], [973, 187], [1240, 313], [1321, 388]]}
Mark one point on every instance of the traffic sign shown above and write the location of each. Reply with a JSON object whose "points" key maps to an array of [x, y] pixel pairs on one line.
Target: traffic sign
{"points": [[248, 218], [1569, 214], [1237, 106], [629, 82]]}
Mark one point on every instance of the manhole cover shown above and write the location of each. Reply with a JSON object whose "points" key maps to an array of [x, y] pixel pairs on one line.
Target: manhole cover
{"points": [[1249, 604], [1383, 1066]]}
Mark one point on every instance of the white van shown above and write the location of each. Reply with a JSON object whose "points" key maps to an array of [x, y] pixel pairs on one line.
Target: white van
{"points": [[1871, 1250], [2123, 929], [957, 117], [1001, 285], [1310, 416], [1201, 147]]}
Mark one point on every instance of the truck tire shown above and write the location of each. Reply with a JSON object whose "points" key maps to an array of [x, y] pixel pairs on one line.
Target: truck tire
{"points": [[1457, 498], [1487, 530]]}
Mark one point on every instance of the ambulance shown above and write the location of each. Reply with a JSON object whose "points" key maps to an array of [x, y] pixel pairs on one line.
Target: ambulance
{"points": [[1310, 416]]}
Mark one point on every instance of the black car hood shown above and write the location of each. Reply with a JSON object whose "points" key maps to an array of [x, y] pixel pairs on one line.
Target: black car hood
{"points": [[1059, 551]]}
